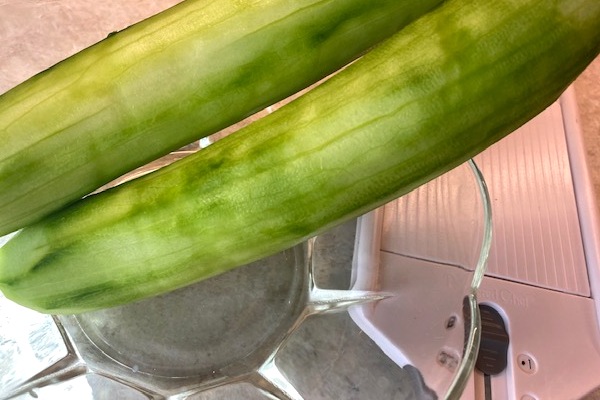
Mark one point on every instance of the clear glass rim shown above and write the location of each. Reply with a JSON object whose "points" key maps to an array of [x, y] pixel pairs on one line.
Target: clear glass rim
{"points": [[473, 340]]}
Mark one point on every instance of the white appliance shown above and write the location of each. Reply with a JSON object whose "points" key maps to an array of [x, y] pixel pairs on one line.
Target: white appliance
{"points": [[543, 274]]}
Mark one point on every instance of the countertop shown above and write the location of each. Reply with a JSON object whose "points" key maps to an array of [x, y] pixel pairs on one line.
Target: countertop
{"points": [[587, 90]]}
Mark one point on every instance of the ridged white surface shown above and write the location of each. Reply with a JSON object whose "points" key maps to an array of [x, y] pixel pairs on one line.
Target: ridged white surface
{"points": [[441, 221], [536, 233]]}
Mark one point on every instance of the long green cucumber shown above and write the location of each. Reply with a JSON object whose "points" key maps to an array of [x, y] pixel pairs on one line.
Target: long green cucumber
{"points": [[437, 93], [171, 79]]}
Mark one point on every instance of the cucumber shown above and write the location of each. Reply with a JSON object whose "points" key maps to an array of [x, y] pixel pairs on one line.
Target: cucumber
{"points": [[437, 93], [181, 75]]}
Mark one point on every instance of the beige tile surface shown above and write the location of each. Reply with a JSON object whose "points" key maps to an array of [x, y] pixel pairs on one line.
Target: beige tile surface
{"points": [[587, 89]]}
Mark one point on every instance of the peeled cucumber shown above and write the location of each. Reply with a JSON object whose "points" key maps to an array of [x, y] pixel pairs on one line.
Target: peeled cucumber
{"points": [[167, 81], [437, 93]]}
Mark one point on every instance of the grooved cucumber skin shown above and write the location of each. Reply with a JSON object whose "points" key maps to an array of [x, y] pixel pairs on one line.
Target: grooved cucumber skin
{"points": [[434, 95], [169, 80]]}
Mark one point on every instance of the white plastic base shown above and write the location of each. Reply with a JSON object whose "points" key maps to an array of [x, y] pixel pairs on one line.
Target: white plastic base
{"points": [[544, 269]]}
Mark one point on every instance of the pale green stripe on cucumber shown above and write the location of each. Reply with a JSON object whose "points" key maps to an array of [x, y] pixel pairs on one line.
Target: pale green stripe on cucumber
{"points": [[437, 93], [167, 81]]}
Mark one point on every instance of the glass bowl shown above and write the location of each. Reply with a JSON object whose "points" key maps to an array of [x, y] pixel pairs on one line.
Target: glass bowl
{"points": [[382, 307]]}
